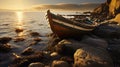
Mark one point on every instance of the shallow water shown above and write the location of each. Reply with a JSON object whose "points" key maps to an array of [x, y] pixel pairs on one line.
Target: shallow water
{"points": [[9, 21], [28, 22]]}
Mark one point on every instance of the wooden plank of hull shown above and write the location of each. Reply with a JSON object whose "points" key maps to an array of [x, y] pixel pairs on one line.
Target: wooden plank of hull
{"points": [[71, 25], [63, 31]]}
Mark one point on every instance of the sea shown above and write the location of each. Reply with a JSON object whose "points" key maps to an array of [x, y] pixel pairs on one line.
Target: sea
{"points": [[28, 22]]}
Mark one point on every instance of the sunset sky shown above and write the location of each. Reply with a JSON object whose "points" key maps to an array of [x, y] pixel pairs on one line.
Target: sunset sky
{"points": [[23, 4]]}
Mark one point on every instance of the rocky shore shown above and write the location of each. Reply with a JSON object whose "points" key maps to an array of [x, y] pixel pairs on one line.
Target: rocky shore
{"points": [[99, 48]]}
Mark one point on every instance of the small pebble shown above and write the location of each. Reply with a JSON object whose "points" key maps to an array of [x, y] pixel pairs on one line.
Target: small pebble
{"points": [[33, 43], [54, 54], [18, 39], [37, 39], [58, 63], [27, 51], [36, 64], [34, 34], [18, 30]]}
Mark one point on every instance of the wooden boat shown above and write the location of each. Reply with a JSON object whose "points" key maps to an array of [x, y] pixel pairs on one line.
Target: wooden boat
{"points": [[65, 28]]}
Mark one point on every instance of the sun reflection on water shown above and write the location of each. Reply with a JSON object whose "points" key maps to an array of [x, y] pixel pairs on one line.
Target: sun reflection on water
{"points": [[19, 24], [20, 16]]}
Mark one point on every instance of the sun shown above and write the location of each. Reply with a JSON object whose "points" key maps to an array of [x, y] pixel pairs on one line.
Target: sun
{"points": [[14, 4]]}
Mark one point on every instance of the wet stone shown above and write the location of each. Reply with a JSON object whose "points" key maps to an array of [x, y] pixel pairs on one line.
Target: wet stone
{"points": [[34, 34], [36, 64], [18, 30], [55, 55], [24, 61], [28, 51], [5, 40], [33, 43], [68, 59], [95, 42], [18, 39], [107, 31], [58, 63], [114, 51], [68, 47], [92, 57], [37, 39], [5, 48]]}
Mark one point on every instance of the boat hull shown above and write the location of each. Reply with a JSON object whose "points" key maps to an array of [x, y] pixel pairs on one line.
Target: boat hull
{"points": [[65, 28]]}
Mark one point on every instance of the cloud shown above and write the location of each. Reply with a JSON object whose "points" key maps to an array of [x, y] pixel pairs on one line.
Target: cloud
{"points": [[65, 6]]}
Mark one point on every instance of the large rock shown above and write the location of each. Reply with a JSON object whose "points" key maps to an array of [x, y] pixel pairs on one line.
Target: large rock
{"points": [[68, 47], [114, 50], [5, 40], [92, 57], [100, 12], [5, 48], [113, 41], [108, 31], [114, 7], [109, 9], [116, 19], [95, 42], [58, 63], [53, 40], [24, 61]]}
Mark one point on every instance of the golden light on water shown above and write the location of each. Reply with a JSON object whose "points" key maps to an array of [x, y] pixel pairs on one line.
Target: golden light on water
{"points": [[21, 34], [20, 16], [19, 24]]}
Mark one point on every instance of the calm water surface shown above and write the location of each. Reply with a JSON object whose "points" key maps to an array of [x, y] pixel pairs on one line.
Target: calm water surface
{"points": [[29, 22], [35, 21]]}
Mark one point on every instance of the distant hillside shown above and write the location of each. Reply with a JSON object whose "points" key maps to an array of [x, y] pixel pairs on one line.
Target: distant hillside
{"points": [[11, 10], [64, 6], [3, 9], [7, 10]]}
